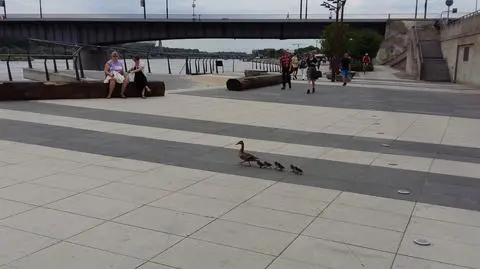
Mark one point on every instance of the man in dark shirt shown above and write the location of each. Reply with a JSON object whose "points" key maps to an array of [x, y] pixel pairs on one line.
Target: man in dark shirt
{"points": [[286, 65], [345, 68]]}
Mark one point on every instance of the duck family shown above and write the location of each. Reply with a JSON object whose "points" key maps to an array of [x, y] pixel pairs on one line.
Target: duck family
{"points": [[249, 158]]}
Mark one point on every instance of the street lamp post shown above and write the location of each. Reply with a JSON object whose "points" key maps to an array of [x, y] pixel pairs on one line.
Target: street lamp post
{"points": [[2, 4], [416, 9], [41, 13], [166, 8], [193, 9], [301, 8], [449, 3], [425, 10], [142, 4], [306, 9]]}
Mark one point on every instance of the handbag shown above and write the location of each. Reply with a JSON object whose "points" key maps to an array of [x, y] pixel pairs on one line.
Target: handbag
{"points": [[131, 77], [317, 74]]}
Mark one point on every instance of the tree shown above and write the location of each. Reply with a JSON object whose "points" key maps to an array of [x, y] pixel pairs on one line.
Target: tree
{"points": [[301, 51], [357, 41]]}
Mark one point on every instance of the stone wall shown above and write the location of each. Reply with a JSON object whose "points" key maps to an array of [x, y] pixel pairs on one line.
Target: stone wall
{"points": [[458, 40]]}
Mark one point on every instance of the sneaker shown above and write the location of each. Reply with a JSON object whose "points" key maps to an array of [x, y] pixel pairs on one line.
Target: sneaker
{"points": [[344, 84], [313, 90], [308, 91], [283, 88]]}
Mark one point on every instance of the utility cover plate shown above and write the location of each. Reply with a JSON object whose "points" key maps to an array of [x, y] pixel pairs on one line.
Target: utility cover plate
{"points": [[405, 192], [422, 242]]}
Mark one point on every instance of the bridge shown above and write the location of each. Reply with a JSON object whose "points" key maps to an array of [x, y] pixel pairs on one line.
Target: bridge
{"points": [[124, 28]]}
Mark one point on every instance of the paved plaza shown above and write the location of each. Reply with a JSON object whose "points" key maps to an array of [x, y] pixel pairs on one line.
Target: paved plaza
{"points": [[156, 184]]}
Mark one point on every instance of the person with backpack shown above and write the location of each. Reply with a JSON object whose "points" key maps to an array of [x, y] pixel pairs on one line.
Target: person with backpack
{"points": [[345, 68], [303, 66], [286, 65]]}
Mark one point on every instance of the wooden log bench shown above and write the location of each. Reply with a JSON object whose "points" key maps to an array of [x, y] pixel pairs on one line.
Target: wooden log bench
{"points": [[26, 90], [247, 83]]}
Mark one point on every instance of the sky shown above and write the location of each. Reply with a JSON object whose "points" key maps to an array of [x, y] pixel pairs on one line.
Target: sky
{"points": [[232, 9]]}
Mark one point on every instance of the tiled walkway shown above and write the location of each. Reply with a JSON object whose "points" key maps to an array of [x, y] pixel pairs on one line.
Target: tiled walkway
{"points": [[155, 184]]}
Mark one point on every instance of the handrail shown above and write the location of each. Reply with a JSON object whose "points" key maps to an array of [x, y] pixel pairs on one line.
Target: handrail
{"points": [[81, 46], [419, 53], [208, 17], [464, 17]]}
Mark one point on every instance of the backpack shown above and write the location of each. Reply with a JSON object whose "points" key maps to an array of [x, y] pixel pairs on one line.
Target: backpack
{"points": [[303, 64]]}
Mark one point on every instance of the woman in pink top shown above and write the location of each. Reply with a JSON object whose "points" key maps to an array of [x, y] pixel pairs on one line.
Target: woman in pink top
{"points": [[114, 65]]}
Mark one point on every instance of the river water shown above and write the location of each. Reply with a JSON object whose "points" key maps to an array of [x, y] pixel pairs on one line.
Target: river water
{"points": [[158, 66]]}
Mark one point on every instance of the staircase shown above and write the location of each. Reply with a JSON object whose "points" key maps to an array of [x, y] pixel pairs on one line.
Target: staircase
{"points": [[433, 66]]}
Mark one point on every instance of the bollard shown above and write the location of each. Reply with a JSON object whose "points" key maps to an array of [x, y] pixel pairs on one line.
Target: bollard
{"points": [[75, 65], [55, 69], [66, 59], [8, 69], [168, 65], [148, 64], [47, 75], [82, 74]]}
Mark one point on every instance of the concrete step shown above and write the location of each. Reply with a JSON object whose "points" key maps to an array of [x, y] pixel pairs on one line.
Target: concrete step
{"points": [[435, 70], [431, 49]]}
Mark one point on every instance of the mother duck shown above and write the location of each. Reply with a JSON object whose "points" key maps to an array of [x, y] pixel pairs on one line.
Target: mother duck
{"points": [[245, 156]]}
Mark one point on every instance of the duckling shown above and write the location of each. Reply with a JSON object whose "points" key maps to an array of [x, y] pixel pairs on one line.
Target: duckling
{"points": [[260, 164], [296, 170], [279, 166], [267, 164], [293, 170], [245, 156]]}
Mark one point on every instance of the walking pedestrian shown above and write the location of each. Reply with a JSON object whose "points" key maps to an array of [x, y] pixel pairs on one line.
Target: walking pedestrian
{"points": [[303, 66], [295, 65], [286, 64], [311, 72], [346, 67]]}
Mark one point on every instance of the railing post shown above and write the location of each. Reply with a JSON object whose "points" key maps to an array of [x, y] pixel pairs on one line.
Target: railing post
{"points": [[75, 66], [29, 59], [168, 65], [47, 75], [66, 59], [82, 74], [55, 69], [148, 64], [8, 69], [233, 65], [125, 60], [187, 68]]}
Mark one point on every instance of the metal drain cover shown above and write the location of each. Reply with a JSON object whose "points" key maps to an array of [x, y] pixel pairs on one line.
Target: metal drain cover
{"points": [[422, 242], [404, 192]]}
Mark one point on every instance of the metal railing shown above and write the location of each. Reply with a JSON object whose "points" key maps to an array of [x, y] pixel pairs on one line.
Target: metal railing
{"points": [[195, 63], [206, 17], [419, 54], [464, 17]]}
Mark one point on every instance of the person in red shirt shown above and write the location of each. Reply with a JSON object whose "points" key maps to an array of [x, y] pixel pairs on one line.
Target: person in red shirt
{"points": [[365, 62], [286, 65]]}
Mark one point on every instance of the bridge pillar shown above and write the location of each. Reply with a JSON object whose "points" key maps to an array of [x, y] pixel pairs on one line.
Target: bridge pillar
{"points": [[94, 58]]}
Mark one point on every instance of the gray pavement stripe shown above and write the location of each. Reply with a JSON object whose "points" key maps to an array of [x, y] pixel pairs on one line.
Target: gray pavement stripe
{"points": [[431, 103], [430, 188], [417, 149]]}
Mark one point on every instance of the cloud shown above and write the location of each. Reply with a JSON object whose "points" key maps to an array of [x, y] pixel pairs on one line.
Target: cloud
{"points": [[232, 8]]}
